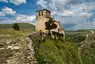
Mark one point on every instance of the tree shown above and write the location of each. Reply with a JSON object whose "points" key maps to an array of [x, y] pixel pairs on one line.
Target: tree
{"points": [[50, 25], [16, 26]]}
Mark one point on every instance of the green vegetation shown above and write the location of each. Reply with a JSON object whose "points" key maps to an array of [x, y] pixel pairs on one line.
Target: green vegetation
{"points": [[16, 26], [66, 51], [50, 25], [25, 30], [88, 53], [48, 50], [23, 26], [76, 36], [57, 52]]}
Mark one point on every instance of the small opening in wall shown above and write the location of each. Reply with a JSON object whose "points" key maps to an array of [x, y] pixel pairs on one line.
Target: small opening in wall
{"points": [[42, 12], [39, 13]]}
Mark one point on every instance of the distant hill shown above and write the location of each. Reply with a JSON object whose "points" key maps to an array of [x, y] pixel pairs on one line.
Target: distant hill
{"points": [[79, 35], [23, 26]]}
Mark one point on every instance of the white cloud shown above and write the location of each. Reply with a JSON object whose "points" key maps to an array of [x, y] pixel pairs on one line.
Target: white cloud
{"points": [[75, 12], [8, 11], [57, 4], [25, 18], [87, 25], [16, 18], [4, 1], [2, 14], [94, 21], [42, 3], [78, 14], [73, 15], [18, 2], [92, 0], [69, 11], [19, 19]]}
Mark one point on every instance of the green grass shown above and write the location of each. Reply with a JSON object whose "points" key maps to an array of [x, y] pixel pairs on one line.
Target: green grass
{"points": [[10, 31], [57, 52], [25, 30], [22, 26], [66, 51], [88, 54]]}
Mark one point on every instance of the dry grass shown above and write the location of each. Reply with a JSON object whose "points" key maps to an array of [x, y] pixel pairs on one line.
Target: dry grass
{"points": [[10, 39]]}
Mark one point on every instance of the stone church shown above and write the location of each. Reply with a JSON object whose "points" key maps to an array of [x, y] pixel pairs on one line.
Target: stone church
{"points": [[43, 16]]}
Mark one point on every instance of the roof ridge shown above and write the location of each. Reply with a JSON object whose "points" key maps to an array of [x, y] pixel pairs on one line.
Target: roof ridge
{"points": [[43, 9]]}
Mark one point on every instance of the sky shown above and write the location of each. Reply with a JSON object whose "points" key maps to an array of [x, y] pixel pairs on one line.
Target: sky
{"points": [[73, 14]]}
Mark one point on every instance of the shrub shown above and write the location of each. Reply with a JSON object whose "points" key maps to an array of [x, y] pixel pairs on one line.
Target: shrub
{"points": [[16, 26], [50, 25]]}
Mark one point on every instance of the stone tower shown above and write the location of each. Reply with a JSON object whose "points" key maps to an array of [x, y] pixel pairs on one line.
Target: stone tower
{"points": [[42, 16]]}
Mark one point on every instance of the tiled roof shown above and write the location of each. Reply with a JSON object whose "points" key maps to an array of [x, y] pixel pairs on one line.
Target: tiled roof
{"points": [[43, 10]]}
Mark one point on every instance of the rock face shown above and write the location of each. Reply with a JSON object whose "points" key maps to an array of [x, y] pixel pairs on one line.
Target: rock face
{"points": [[10, 51], [17, 51], [28, 52]]}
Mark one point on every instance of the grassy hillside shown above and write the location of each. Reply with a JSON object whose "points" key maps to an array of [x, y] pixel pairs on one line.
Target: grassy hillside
{"points": [[23, 26], [11, 45], [67, 51], [79, 35], [57, 52], [50, 51], [25, 29]]}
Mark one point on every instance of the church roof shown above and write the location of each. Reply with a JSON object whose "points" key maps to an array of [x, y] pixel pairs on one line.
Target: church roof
{"points": [[43, 10]]}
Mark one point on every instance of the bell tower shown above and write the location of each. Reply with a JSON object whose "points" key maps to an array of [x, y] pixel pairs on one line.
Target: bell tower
{"points": [[42, 16], [45, 13]]}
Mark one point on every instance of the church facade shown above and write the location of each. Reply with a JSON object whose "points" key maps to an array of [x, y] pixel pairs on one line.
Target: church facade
{"points": [[43, 16]]}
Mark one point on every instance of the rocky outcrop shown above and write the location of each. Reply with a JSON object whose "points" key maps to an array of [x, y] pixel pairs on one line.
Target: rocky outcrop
{"points": [[17, 51], [28, 52]]}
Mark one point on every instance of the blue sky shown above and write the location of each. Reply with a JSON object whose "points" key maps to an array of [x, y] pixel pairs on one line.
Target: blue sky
{"points": [[73, 14]]}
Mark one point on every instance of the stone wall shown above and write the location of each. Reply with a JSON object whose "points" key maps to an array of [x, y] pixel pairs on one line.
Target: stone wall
{"points": [[40, 23]]}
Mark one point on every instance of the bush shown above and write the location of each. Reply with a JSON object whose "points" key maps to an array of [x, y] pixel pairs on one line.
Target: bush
{"points": [[57, 52], [16, 27]]}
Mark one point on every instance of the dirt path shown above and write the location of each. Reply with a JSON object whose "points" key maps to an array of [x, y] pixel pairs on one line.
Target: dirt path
{"points": [[82, 45]]}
